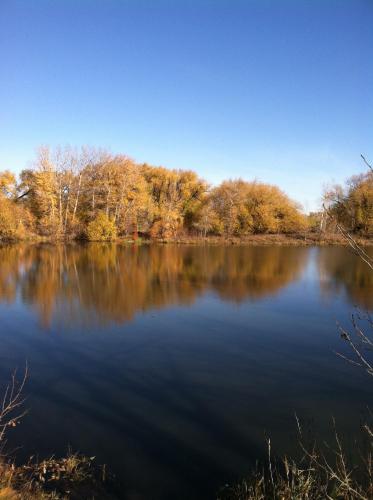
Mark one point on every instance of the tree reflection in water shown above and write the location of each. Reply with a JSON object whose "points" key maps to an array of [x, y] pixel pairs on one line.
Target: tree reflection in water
{"points": [[342, 271], [112, 282]]}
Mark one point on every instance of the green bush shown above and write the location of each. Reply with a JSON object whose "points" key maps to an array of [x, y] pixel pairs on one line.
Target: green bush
{"points": [[102, 228]]}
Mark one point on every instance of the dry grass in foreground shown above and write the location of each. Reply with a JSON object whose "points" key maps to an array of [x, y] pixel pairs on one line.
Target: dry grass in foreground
{"points": [[73, 477], [317, 476]]}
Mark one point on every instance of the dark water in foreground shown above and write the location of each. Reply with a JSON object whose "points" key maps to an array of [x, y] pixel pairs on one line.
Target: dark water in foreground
{"points": [[173, 364]]}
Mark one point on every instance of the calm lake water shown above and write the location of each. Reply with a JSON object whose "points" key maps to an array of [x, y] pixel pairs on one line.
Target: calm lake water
{"points": [[172, 364]]}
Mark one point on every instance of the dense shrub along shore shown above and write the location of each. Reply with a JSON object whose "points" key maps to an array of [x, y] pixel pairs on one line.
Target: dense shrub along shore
{"points": [[87, 193]]}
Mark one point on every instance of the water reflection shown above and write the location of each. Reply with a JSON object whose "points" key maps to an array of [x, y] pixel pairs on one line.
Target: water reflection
{"points": [[343, 272], [187, 395], [113, 282]]}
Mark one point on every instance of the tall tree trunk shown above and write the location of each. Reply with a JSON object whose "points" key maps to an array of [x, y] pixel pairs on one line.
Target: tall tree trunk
{"points": [[107, 202], [60, 203], [67, 207], [93, 202], [77, 199]]}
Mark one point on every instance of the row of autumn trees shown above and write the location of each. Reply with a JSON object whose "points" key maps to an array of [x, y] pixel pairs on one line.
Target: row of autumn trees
{"points": [[89, 193], [71, 193]]}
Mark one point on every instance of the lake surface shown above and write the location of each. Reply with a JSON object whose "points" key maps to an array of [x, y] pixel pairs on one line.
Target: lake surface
{"points": [[172, 364]]}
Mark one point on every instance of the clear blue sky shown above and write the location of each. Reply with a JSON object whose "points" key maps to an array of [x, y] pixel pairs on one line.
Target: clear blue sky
{"points": [[279, 90]]}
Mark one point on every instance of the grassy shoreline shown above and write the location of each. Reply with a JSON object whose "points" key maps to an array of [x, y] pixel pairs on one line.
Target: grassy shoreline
{"points": [[308, 239]]}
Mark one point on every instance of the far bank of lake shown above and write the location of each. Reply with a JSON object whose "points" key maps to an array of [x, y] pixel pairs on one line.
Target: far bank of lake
{"points": [[301, 239]]}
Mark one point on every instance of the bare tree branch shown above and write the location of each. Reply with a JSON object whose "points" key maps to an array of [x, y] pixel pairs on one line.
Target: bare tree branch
{"points": [[366, 163]]}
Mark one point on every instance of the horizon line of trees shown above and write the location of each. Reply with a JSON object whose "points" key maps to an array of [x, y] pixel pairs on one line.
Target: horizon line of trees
{"points": [[89, 193]]}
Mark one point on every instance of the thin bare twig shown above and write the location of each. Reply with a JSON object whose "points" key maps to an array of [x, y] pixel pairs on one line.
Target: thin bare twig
{"points": [[10, 413]]}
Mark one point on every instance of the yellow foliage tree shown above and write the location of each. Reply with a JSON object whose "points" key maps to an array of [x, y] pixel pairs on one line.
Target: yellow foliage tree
{"points": [[254, 207], [353, 206]]}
